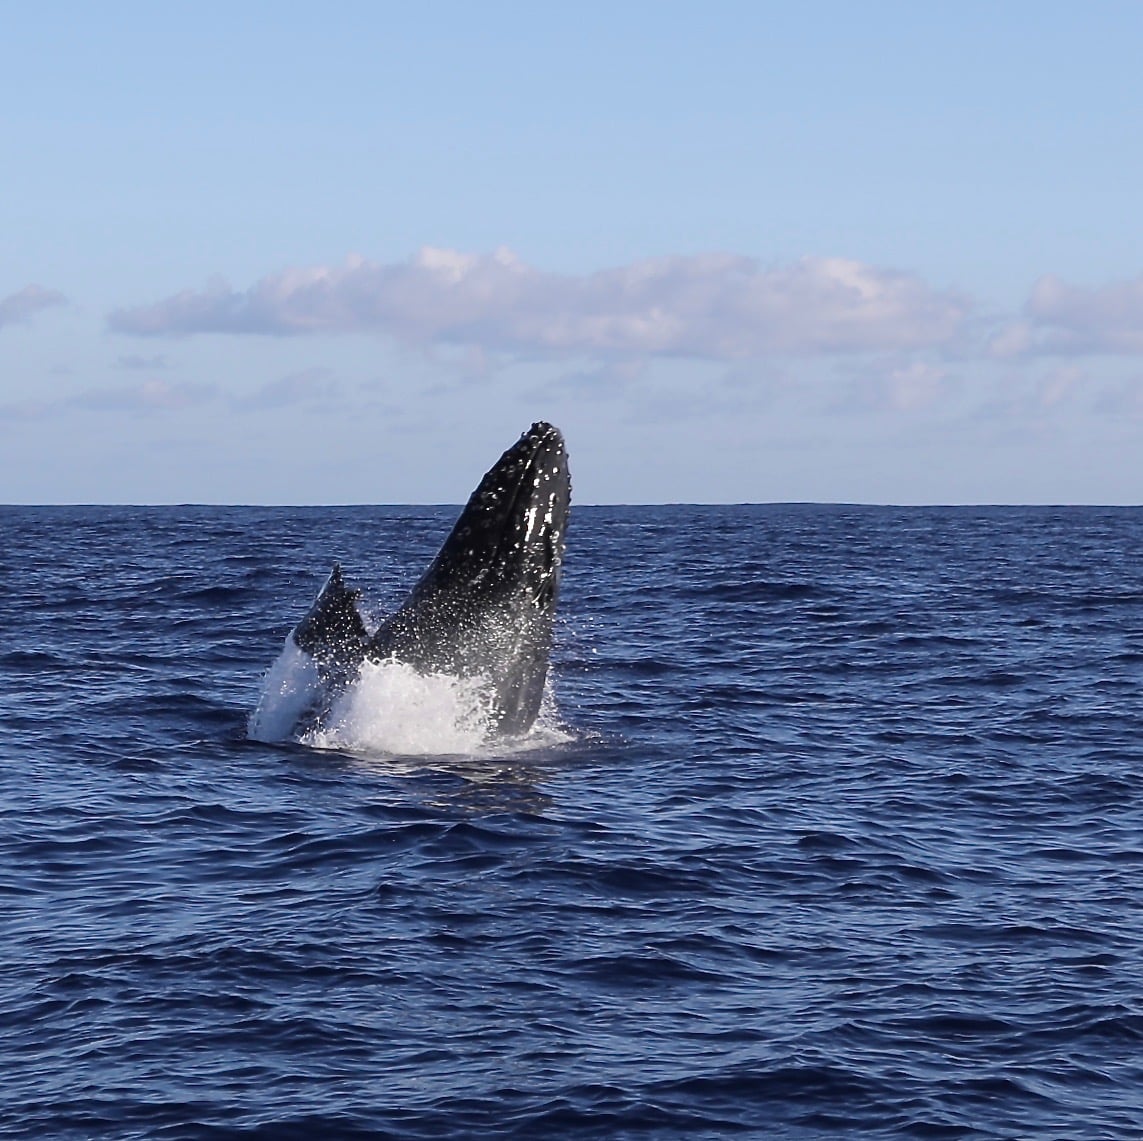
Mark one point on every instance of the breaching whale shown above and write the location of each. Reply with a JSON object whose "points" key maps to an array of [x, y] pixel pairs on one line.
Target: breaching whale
{"points": [[484, 608]]}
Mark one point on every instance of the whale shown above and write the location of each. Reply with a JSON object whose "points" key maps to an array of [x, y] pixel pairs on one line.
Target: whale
{"points": [[484, 608]]}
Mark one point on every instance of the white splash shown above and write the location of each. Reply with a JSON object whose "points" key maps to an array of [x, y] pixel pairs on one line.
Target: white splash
{"points": [[291, 687], [392, 708]]}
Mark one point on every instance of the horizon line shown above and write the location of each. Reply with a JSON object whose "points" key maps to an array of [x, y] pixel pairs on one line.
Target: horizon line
{"points": [[580, 506]]}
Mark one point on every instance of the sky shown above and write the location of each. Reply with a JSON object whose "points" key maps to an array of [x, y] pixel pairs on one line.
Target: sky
{"points": [[291, 253]]}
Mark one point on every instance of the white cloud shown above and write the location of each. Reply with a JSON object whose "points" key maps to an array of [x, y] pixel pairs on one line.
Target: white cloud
{"points": [[714, 306], [1012, 339], [18, 307], [915, 385], [894, 385], [1069, 319]]}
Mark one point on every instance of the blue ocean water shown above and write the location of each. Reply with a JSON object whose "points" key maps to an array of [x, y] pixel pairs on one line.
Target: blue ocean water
{"points": [[844, 837]]}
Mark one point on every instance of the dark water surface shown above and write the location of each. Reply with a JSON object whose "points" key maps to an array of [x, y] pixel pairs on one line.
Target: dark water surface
{"points": [[848, 839]]}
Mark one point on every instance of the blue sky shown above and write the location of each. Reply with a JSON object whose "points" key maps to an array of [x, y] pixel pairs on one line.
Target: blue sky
{"points": [[281, 253]]}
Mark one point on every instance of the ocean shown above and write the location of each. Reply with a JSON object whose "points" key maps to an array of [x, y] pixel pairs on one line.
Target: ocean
{"points": [[833, 827]]}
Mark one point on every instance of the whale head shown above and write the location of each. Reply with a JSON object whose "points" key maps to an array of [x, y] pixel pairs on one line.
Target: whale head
{"points": [[485, 606]]}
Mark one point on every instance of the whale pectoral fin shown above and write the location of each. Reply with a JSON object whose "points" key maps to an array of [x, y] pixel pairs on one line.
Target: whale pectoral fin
{"points": [[332, 632]]}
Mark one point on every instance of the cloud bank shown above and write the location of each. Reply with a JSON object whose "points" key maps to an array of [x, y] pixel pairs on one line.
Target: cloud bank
{"points": [[715, 306], [1067, 320], [1073, 319], [20, 306]]}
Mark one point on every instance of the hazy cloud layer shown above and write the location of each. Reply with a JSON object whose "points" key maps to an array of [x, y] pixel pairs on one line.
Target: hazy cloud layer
{"points": [[151, 396], [24, 303], [313, 386], [1072, 320], [894, 386], [1122, 400], [133, 362], [715, 306]]}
